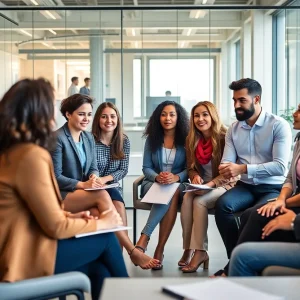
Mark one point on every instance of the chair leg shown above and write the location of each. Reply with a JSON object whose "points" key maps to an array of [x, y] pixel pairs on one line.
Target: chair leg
{"points": [[134, 226]]}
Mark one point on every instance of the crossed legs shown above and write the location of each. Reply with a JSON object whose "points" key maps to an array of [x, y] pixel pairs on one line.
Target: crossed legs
{"points": [[97, 202]]}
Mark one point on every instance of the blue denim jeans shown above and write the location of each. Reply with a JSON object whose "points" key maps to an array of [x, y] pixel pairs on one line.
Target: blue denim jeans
{"points": [[98, 256], [237, 199], [157, 212], [249, 259]]}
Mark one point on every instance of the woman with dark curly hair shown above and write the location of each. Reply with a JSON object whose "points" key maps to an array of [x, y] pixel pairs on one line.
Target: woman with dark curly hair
{"points": [[164, 162]]}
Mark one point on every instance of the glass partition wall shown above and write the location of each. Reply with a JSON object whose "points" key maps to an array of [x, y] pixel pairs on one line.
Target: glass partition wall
{"points": [[134, 56]]}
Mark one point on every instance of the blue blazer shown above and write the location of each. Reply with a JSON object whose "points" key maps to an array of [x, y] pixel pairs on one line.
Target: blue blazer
{"points": [[67, 167], [152, 165]]}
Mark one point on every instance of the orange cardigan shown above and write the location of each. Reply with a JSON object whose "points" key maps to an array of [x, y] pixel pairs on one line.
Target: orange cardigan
{"points": [[31, 214]]}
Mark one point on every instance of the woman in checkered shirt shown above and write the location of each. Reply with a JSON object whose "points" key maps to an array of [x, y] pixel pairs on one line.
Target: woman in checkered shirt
{"points": [[112, 150]]}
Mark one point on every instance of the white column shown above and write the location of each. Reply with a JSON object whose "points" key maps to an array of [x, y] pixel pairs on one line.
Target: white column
{"points": [[262, 55], [97, 63]]}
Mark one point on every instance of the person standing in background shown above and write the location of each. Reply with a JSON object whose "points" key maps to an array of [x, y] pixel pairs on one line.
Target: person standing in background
{"points": [[73, 89], [85, 90]]}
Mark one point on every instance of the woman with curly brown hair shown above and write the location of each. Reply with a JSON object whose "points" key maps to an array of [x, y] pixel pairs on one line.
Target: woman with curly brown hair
{"points": [[164, 162]]}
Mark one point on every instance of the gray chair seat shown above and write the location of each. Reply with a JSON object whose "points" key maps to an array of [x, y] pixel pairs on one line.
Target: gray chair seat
{"points": [[72, 283]]}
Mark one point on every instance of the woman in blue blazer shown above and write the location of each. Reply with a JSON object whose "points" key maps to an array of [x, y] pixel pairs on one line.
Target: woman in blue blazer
{"points": [[164, 162], [75, 167]]}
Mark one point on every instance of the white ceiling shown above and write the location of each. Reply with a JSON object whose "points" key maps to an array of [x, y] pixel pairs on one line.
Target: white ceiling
{"points": [[118, 2]]}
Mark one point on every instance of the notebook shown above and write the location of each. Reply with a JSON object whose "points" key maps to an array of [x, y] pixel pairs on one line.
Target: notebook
{"points": [[220, 288], [160, 193], [190, 187], [103, 231], [108, 186]]}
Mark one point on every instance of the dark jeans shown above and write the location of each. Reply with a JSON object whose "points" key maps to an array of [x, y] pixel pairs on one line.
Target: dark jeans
{"points": [[237, 199], [98, 256], [251, 229]]}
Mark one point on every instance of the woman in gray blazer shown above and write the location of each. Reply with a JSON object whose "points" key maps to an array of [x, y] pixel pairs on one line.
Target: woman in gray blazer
{"points": [[75, 167]]}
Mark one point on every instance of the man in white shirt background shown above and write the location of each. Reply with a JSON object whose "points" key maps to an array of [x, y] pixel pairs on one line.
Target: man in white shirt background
{"points": [[73, 89]]}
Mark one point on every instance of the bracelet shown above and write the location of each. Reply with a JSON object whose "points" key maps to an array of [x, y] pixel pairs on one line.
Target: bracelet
{"points": [[292, 224]]}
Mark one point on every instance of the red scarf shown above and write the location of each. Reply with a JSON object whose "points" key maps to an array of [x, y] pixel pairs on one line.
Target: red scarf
{"points": [[203, 151]]}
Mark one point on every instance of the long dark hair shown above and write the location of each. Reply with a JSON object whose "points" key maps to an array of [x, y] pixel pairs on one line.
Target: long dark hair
{"points": [[155, 133], [116, 149], [27, 114]]}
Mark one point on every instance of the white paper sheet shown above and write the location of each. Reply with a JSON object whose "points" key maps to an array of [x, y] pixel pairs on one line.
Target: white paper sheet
{"points": [[190, 187], [102, 231], [160, 193], [221, 289], [109, 186]]}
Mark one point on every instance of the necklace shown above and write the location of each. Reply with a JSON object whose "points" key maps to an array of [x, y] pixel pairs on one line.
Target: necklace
{"points": [[168, 156]]}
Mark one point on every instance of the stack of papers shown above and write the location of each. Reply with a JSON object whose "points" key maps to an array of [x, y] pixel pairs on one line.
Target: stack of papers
{"points": [[119, 228], [221, 289], [105, 187], [160, 193], [190, 187]]}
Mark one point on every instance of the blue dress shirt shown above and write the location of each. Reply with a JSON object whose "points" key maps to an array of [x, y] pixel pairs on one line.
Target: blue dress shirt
{"points": [[265, 148]]}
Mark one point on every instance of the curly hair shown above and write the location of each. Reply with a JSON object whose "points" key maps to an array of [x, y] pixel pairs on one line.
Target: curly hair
{"points": [[27, 114], [217, 130], [154, 131], [117, 151]]}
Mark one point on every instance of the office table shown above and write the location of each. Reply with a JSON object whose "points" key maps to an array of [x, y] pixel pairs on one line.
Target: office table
{"points": [[150, 288]]}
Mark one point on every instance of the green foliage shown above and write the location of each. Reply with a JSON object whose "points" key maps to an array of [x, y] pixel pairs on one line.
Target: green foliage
{"points": [[287, 114]]}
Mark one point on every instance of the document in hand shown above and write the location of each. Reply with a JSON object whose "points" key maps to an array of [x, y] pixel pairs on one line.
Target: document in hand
{"points": [[190, 187], [160, 193], [221, 289], [108, 186], [103, 231]]}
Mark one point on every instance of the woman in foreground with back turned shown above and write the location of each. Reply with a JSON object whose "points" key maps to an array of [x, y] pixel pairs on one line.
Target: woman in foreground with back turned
{"points": [[164, 162], [37, 223], [75, 167]]}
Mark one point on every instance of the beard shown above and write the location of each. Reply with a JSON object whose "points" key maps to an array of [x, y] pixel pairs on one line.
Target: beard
{"points": [[247, 113]]}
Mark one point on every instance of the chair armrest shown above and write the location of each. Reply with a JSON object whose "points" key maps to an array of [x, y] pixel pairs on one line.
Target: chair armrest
{"points": [[44, 287], [280, 271], [135, 187]]}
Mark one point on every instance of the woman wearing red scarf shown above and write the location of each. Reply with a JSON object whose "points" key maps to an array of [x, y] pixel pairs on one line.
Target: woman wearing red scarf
{"points": [[204, 148]]}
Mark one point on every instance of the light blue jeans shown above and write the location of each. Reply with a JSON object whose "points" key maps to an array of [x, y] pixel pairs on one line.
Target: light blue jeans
{"points": [[156, 214], [249, 259]]}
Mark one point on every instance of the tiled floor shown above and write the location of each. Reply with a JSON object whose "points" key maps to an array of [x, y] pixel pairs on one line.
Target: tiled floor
{"points": [[173, 250]]}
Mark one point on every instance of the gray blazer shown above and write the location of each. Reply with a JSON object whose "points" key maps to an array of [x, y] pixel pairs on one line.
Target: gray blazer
{"points": [[291, 181], [67, 167], [84, 90], [291, 178]]}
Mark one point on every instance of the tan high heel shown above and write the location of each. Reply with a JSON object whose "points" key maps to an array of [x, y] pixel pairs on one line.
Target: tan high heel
{"points": [[205, 262], [184, 263]]}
